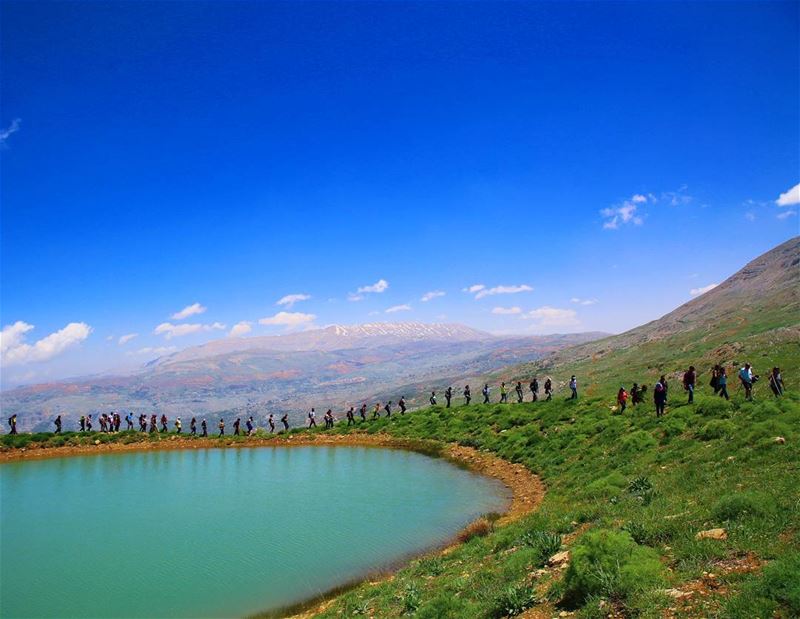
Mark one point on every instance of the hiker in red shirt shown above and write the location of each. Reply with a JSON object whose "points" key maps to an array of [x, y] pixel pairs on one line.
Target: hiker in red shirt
{"points": [[622, 399]]}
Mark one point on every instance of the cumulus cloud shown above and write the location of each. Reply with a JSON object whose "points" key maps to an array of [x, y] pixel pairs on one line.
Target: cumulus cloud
{"points": [[507, 310], [154, 350], [380, 286], [698, 291], [169, 330], [579, 301], [786, 214], [474, 288], [240, 328], [398, 308], [15, 351], [290, 299], [547, 316], [789, 197], [127, 338], [429, 296], [8, 131], [488, 292], [189, 310], [290, 320], [628, 212]]}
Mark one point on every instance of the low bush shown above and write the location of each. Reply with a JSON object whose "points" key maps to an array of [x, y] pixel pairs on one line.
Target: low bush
{"points": [[545, 543], [480, 528], [716, 429], [739, 505], [606, 487], [637, 442], [611, 564], [712, 407], [514, 600]]}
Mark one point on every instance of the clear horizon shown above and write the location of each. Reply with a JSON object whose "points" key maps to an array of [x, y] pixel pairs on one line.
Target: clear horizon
{"points": [[177, 173]]}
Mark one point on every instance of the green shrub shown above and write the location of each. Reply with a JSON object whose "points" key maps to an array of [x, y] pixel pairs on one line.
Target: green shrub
{"points": [[717, 428], [606, 487], [445, 606], [611, 564], [712, 407], [411, 599], [514, 601], [637, 442], [545, 543], [739, 505]]}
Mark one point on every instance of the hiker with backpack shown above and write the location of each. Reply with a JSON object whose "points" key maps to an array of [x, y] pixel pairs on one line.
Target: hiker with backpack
{"points": [[534, 387], [467, 395], [548, 389], [88, 423], [722, 383], [747, 378], [236, 425], [776, 382], [433, 398], [193, 426], [153, 423], [350, 417], [715, 373], [250, 426], [312, 422], [363, 411], [485, 392], [12, 424], [376, 412], [402, 405], [271, 422], [57, 423], [221, 426], [204, 428], [448, 394], [285, 422], [503, 394], [622, 399], [82, 423], [178, 425], [573, 385], [660, 396], [388, 409], [164, 427], [689, 381], [518, 389]]}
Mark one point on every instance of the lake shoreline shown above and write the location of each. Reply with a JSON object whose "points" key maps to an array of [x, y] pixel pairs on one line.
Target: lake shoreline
{"points": [[526, 489]]}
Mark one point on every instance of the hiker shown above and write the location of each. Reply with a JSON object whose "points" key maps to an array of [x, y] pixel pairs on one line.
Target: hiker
{"points": [[204, 428], [433, 398], [548, 389], [164, 423], [635, 394], [776, 382], [503, 394], [142, 423], [376, 412], [12, 423], [622, 399], [178, 425], [153, 423], [573, 385], [236, 425], [193, 426], [663, 381], [250, 426], [103, 423], [129, 420], [82, 423], [689, 380], [448, 394], [350, 417], [402, 405], [722, 383], [715, 373], [117, 421], [534, 387], [388, 408], [88, 423], [57, 422], [271, 422], [363, 411], [285, 422], [518, 389], [485, 392], [467, 395], [221, 426], [660, 397], [746, 377], [328, 417], [312, 422]]}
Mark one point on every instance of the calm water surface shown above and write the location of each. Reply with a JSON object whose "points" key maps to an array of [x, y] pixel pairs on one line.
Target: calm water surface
{"points": [[218, 532]]}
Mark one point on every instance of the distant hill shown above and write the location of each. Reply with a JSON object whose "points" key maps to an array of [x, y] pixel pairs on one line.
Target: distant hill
{"points": [[335, 366]]}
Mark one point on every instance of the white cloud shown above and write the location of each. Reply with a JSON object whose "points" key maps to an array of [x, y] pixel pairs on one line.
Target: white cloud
{"points": [[787, 198], [189, 310], [378, 286], [12, 128], [240, 328], [547, 316], [507, 310], [170, 330], [154, 350], [290, 320], [625, 212], [290, 299], [398, 308], [698, 291], [474, 288], [355, 297], [487, 292], [14, 350], [428, 296], [750, 216], [579, 301], [786, 214], [127, 338]]}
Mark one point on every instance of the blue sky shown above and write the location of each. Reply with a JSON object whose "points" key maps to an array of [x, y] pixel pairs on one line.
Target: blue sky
{"points": [[610, 157]]}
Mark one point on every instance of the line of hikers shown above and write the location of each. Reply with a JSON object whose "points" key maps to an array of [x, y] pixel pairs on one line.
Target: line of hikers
{"points": [[111, 422]]}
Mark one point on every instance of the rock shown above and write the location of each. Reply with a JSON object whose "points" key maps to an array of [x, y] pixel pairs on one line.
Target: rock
{"points": [[718, 534], [677, 593], [97, 441], [559, 558], [779, 440]]}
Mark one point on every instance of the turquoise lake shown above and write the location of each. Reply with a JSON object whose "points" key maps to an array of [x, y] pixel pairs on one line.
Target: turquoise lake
{"points": [[219, 532]]}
